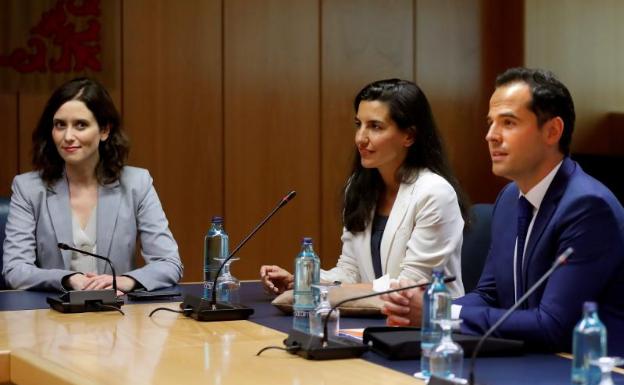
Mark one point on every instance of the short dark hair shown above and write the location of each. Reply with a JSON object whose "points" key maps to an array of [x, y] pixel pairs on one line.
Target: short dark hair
{"points": [[410, 110], [549, 98], [113, 151]]}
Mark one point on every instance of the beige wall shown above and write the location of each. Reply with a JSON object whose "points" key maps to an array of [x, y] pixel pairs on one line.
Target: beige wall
{"points": [[583, 43]]}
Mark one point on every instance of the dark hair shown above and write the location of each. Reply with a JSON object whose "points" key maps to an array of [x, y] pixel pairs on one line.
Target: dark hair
{"points": [[549, 99], [113, 151], [410, 110]]}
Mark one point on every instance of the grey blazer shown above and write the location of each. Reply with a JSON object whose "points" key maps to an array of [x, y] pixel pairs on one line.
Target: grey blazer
{"points": [[40, 217]]}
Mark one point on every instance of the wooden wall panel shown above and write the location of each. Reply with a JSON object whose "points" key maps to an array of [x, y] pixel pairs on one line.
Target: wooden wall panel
{"points": [[271, 97], [10, 142], [362, 41], [450, 69], [173, 111], [30, 108]]}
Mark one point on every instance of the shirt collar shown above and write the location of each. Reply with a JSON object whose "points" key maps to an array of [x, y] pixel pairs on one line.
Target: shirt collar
{"points": [[535, 196]]}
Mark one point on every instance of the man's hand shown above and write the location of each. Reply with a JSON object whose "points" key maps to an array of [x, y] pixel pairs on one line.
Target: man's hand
{"points": [[275, 279], [403, 308]]}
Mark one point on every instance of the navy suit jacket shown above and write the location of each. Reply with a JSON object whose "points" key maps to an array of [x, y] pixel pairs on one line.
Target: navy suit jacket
{"points": [[579, 212]]}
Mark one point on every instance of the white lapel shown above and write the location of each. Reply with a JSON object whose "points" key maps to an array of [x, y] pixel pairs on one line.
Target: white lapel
{"points": [[366, 259], [61, 216], [109, 198], [397, 214]]}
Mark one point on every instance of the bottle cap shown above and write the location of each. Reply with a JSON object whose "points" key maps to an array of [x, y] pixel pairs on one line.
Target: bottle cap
{"points": [[439, 271], [590, 306], [217, 219], [307, 240]]}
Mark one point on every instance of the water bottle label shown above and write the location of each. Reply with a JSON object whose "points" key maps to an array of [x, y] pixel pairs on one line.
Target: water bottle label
{"points": [[301, 313]]}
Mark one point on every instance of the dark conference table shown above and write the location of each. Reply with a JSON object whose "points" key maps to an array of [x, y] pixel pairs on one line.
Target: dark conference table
{"points": [[531, 369]]}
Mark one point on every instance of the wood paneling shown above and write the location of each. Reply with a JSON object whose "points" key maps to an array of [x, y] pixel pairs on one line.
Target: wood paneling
{"points": [[232, 103], [271, 101], [173, 111], [30, 108], [450, 69], [363, 41], [10, 145]]}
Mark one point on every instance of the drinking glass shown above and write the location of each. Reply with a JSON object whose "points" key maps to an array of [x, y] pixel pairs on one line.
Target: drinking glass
{"points": [[606, 365], [228, 286], [447, 357], [321, 311]]}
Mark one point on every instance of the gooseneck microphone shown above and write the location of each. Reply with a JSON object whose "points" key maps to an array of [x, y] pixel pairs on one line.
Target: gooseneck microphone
{"points": [[64, 246], [562, 259], [279, 205], [321, 348], [202, 309], [80, 301]]}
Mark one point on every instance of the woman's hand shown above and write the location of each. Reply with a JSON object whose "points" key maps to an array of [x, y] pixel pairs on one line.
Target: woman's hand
{"points": [[105, 281], [275, 279]]}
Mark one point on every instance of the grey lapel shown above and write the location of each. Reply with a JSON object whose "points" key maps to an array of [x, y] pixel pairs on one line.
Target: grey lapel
{"points": [[109, 198], [60, 215]]}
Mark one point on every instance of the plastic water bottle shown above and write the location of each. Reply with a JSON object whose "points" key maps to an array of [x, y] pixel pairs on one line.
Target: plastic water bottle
{"points": [[436, 305], [307, 273], [215, 251], [589, 343]]}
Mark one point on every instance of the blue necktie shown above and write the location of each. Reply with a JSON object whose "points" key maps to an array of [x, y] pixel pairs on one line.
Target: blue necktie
{"points": [[525, 213]]}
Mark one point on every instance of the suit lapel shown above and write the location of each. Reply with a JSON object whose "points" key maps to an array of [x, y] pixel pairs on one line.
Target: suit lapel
{"points": [[546, 210], [398, 212], [109, 198], [61, 216]]}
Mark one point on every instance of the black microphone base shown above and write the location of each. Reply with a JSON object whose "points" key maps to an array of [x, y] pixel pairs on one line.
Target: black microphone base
{"points": [[310, 347], [203, 310], [82, 301]]}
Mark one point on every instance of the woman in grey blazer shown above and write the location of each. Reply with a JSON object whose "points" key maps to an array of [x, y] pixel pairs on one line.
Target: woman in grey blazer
{"points": [[403, 210], [82, 194]]}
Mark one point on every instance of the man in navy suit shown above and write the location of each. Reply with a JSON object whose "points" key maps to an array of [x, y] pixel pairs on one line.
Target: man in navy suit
{"points": [[531, 119]]}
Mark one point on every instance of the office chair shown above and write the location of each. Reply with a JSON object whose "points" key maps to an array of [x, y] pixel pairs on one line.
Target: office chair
{"points": [[4, 213], [476, 244]]}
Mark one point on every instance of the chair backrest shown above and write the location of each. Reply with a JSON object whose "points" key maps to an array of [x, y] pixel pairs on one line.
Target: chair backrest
{"points": [[4, 213], [476, 244]]}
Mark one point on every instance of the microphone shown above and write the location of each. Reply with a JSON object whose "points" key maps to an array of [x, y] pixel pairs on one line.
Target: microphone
{"points": [[202, 310], [281, 204], [562, 259], [80, 301], [314, 347]]}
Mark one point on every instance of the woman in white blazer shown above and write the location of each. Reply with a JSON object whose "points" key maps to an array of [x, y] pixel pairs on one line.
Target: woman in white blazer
{"points": [[82, 194], [403, 211]]}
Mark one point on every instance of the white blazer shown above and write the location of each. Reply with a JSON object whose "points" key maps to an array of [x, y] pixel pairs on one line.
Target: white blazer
{"points": [[424, 230]]}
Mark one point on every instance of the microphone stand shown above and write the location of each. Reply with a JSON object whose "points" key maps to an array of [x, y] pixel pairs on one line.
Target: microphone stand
{"points": [[80, 301], [558, 262], [203, 310], [313, 347]]}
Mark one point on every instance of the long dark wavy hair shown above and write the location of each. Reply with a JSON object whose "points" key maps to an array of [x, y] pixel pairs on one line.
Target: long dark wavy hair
{"points": [[113, 151], [410, 110]]}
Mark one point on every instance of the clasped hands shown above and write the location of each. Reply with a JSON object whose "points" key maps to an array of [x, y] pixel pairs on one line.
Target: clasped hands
{"points": [[92, 281], [403, 308]]}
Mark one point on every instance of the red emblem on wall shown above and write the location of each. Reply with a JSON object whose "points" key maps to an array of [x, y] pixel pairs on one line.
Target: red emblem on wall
{"points": [[78, 49]]}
